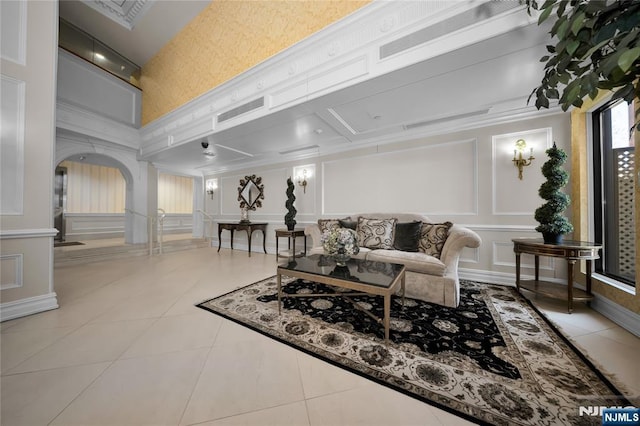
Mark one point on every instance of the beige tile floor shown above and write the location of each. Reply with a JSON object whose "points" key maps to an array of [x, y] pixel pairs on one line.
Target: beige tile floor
{"points": [[128, 347]]}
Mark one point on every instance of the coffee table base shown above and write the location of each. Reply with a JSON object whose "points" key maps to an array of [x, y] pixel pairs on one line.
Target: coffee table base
{"points": [[361, 289]]}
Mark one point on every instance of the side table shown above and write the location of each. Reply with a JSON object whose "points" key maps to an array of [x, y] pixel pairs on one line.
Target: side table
{"points": [[243, 226], [570, 250], [291, 235]]}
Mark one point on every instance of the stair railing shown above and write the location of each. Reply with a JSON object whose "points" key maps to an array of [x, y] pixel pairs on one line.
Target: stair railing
{"points": [[208, 222], [153, 221]]}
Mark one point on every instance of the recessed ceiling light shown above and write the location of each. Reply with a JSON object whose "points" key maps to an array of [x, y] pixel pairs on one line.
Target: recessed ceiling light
{"points": [[99, 56]]}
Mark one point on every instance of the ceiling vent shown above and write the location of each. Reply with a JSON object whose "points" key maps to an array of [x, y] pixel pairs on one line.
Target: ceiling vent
{"points": [[249, 106], [303, 148], [447, 118], [464, 19]]}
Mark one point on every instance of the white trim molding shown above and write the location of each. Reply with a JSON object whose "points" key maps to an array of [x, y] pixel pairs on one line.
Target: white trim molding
{"points": [[27, 233], [28, 306], [622, 316]]}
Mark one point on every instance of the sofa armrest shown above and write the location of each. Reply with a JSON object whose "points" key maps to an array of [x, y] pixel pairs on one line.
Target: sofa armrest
{"points": [[313, 231], [459, 238]]}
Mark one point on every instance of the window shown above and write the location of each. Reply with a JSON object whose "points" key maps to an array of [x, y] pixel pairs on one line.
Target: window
{"points": [[614, 188]]}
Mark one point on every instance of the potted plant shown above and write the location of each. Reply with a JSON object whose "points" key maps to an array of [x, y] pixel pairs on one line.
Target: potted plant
{"points": [[553, 224], [289, 218]]}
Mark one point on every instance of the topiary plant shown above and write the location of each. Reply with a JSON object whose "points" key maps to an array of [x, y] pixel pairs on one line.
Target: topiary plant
{"points": [[552, 223], [289, 218]]}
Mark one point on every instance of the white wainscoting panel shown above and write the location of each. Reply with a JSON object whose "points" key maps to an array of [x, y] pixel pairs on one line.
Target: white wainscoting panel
{"points": [[412, 180], [12, 145], [511, 195], [83, 84], [11, 271], [13, 31]]}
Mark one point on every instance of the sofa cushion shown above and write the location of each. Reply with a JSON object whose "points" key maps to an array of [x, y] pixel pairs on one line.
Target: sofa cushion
{"points": [[406, 236], [433, 236], [348, 223], [413, 261], [375, 233], [326, 224]]}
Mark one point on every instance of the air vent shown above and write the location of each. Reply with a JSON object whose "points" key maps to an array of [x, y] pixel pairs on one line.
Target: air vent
{"points": [[249, 106], [303, 148], [448, 118], [470, 17]]}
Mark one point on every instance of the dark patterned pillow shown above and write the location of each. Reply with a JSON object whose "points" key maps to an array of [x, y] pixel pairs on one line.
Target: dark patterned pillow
{"points": [[433, 236], [351, 224], [326, 224], [406, 236], [375, 233]]}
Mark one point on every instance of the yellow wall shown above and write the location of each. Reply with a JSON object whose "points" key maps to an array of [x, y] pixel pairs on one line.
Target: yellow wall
{"points": [[175, 193], [580, 207], [226, 39], [94, 189]]}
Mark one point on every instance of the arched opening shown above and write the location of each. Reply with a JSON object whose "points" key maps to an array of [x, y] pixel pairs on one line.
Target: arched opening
{"points": [[91, 199]]}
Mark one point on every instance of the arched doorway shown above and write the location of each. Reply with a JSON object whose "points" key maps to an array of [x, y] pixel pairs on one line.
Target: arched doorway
{"points": [[90, 199]]}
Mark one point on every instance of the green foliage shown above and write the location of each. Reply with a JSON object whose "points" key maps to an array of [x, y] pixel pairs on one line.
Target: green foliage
{"points": [[597, 47], [289, 218], [549, 215]]}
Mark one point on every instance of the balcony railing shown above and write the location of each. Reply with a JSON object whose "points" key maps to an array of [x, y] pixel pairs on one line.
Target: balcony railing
{"points": [[81, 44]]}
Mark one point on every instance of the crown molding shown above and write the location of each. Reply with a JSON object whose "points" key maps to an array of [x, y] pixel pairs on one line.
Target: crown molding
{"points": [[343, 54]]}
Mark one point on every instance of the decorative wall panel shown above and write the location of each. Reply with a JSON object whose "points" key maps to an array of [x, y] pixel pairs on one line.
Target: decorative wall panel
{"points": [[96, 90], [11, 271], [12, 145], [13, 31], [436, 179]]}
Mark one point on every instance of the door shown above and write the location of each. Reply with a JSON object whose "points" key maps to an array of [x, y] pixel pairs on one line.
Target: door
{"points": [[59, 202]]}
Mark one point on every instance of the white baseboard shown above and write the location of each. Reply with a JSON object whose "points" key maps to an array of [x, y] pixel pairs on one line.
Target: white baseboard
{"points": [[28, 306], [622, 316]]}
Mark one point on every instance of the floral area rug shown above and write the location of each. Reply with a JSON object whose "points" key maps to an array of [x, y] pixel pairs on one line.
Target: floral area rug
{"points": [[493, 360]]}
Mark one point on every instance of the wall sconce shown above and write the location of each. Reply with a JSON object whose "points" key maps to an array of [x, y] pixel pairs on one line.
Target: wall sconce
{"points": [[518, 161], [302, 180], [211, 186]]}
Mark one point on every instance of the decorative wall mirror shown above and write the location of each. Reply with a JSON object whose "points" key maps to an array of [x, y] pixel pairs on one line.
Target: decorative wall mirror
{"points": [[251, 192]]}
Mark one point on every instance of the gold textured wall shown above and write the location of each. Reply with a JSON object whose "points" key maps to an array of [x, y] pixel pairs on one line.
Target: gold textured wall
{"points": [[580, 202], [175, 193], [227, 38]]}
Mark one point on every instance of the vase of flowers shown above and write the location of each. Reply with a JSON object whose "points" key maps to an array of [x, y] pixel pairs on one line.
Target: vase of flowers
{"points": [[340, 244]]}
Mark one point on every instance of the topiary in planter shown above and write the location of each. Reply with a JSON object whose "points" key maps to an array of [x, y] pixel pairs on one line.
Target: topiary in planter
{"points": [[289, 218], [552, 223]]}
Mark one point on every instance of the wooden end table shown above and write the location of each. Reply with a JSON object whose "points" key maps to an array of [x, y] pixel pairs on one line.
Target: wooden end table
{"points": [[291, 235], [243, 226], [572, 251]]}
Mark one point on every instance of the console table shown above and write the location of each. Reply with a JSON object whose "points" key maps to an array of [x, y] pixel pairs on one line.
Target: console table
{"points": [[243, 226], [291, 235], [570, 250]]}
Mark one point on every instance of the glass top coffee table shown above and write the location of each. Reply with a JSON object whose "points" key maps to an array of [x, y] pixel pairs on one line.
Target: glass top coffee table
{"points": [[362, 276]]}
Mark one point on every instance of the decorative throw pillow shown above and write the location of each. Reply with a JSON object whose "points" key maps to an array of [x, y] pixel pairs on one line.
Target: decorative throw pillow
{"points": [[433, 237], [375, 233], [326, 224], [351, 224], [406, 236]]}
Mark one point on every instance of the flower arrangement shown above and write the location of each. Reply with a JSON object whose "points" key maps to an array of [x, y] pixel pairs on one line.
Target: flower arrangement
{"points": [[340, 241]]}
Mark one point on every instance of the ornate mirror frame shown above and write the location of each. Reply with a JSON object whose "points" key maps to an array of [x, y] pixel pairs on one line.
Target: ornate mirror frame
{"points": [[251, 192]]}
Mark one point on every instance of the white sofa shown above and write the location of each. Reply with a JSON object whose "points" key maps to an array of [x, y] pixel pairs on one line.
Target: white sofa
{"points": [[427, 277]]}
